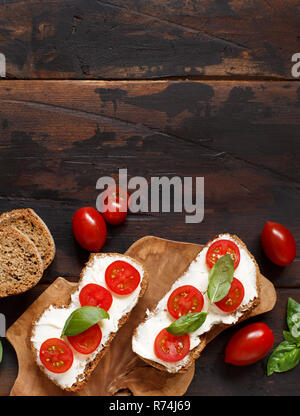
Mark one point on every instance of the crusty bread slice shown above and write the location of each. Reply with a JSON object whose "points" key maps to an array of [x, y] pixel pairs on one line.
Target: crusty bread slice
{"points": [[217, 328], [27, 221], [90, 366], [21, 266]]}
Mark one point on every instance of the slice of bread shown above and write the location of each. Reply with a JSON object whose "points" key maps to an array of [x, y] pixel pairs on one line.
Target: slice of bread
{"points": [[21, 266], [93, 272], [27, 221], [238, 315]]}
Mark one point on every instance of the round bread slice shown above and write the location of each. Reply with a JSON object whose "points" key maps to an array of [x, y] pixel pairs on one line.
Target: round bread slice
{"points": [[27, 221], [21, 266]]}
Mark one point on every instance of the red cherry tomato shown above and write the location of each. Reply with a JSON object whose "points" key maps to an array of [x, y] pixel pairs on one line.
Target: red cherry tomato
{"points": [[56, 355], [185, 299], [122, 278], [87, 341], [221, 247], [249, 345], [95, 295], [115, 205], [234, 297], [89, 229], [278, 243], [171, 348]]}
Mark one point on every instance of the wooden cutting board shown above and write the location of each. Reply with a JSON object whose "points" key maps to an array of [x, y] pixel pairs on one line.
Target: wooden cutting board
{"points": [[120, 372]]}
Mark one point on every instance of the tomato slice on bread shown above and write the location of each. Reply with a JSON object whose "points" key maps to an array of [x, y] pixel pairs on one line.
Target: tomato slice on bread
{"points": [[87, 341], [234, 297], [95, 295], [56, 355], [122, 278], [171, 348], [185, 299], [219, 248]]}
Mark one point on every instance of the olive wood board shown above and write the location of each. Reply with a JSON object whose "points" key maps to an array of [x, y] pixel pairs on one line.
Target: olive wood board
{"points": [[120, 372]]}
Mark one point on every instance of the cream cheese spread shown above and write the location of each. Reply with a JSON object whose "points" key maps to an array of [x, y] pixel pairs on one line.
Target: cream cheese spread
{"points": [[196, 275], [51, 323]]}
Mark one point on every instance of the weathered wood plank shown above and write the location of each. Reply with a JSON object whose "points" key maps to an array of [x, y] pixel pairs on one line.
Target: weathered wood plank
{"points": [[148, 39], [58, 138]]}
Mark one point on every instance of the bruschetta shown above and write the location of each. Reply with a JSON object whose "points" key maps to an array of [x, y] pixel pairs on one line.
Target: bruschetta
{"points": [[196, 308], [112, 282]]}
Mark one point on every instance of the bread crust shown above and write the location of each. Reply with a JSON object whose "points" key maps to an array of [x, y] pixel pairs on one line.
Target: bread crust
{"points": [[217, 328], [28, 214], [78, 385]]}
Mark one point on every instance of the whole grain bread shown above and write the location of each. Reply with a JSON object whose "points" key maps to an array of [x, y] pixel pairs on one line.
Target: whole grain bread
{"points": [[218, 328], [21, 266], [27, 221], [79, 384]]}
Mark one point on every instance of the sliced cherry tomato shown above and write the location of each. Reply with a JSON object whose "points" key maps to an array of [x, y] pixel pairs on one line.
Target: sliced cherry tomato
{"points": [[171, 348], [249, 344], [234, 297], [115, 205], [122, 278], [221, 247], [185, 299], [56, 355], [87, 341], [278, 243], [95, 295], [89, 229]]}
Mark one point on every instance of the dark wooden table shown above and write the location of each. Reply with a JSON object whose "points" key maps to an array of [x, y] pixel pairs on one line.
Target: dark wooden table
{"points": [[183, 88]]}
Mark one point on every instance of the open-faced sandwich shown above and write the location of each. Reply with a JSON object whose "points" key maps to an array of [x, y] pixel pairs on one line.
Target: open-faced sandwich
{"points": [[69, 340], [219, 288]]}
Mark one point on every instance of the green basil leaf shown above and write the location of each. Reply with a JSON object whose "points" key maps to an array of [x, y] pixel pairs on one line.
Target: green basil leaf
{"points": [[187, 323], [220, 278], [1, 351], [82, 319], [293, 317], [285, 357], [289, 337]]}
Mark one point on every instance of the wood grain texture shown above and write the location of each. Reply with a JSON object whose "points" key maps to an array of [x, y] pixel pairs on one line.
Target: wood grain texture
{"points": [[120, 369], [130, 39], [58, 138]]}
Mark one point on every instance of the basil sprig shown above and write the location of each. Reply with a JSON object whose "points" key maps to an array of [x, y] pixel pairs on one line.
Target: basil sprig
{"points": [[220, 278], [287, 354], [82, 319], [1, 351], [187, 323]]}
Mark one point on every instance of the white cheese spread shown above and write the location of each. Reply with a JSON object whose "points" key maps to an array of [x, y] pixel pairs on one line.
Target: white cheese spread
{"points": [[52, 321], [196, 275]]}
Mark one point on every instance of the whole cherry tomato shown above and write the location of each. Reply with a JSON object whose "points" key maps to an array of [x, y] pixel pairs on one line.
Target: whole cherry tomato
{"points": [[278, 243], [115, 206], [249, 344], [89, 229]]}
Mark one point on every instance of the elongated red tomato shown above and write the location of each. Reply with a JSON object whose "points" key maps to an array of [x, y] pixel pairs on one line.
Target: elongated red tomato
{"points": [[185, 299], [115, 206], [95, 295], [56, 355], [87, 341], [89, 229], [249, 345], [234, 297], [278, 243], [219, 248], [171, 348], [122, 278]]}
